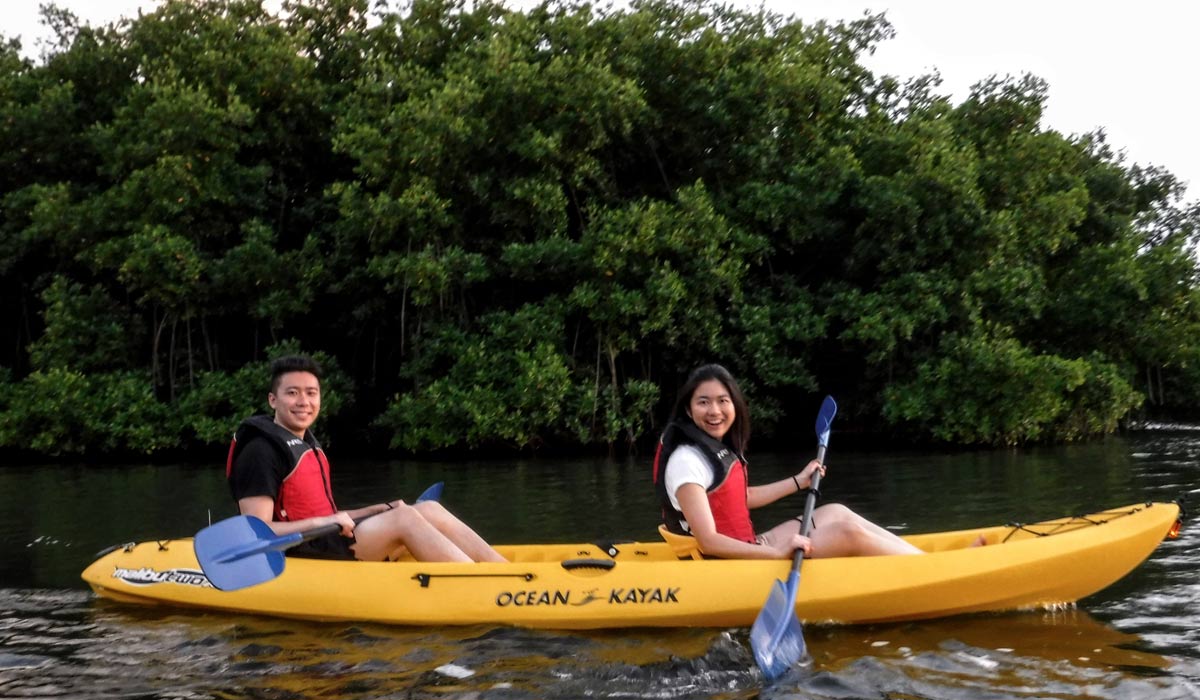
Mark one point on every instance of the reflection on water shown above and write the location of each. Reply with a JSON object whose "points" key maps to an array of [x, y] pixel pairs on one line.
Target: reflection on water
{"points": [[63, 643], [1138, 639], [60, 643]]}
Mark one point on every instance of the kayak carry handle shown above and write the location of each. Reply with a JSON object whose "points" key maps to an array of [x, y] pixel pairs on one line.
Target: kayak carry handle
{"points": [[572, 564], [424, 579]]}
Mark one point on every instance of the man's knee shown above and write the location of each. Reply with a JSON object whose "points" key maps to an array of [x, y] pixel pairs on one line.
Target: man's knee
{"points": [[404, 518], [431, 510]]}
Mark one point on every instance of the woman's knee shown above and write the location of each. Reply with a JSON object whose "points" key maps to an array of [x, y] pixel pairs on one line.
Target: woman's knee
{"points": [[832, 513], [841, 538]]}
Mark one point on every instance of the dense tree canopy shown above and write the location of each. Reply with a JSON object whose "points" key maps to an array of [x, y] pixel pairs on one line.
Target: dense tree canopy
{"points": [[505, 229]]}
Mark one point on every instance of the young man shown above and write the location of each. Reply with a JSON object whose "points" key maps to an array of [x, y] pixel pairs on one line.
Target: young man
{"points": [[278, 472]]}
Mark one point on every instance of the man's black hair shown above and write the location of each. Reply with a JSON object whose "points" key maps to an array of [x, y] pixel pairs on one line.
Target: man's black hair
{"points": [[292, 363]]}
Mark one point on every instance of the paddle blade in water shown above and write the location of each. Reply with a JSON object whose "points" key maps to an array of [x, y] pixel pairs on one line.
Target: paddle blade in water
{"points": [[786, 654], [221, 550], [776, 636]]}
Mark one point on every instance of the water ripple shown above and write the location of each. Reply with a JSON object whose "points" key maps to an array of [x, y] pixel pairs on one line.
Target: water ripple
{"points": [[1138, 639]]}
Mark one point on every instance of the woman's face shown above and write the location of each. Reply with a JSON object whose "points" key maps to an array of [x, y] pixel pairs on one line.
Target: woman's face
{"points": [[711, 408]]}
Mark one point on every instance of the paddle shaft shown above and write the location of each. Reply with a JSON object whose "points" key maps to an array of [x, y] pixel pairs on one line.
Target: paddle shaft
{"points": [[319, 531], [323, 530], [275, 544], [810, 503], [432, 493], [776, 636], [282, 542]]}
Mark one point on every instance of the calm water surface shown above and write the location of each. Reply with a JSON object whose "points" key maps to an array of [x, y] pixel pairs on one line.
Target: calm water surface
{"points": [[1138, 639]]}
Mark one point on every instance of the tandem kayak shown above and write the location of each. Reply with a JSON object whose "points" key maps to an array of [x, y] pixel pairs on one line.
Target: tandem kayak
{"points": [[647, 584]]}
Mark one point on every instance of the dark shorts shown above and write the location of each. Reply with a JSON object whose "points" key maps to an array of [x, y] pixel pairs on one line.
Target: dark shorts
{"points": [[328, 547]]}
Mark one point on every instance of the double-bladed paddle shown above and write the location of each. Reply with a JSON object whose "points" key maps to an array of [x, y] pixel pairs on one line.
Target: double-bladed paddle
{"points": [[244, 551], [776, 637]]}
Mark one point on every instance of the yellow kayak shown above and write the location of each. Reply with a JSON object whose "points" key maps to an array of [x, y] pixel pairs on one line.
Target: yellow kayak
{"points": [[646, 584]]}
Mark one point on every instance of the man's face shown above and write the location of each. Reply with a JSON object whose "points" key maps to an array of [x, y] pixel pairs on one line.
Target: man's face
{"points": [[297, 401]]}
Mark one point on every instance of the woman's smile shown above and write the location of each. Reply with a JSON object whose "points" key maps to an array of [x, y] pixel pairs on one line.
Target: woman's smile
{"points": [[712, 409]]}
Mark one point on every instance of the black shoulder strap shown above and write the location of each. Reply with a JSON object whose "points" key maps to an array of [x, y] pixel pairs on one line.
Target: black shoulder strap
{"points": [[719, 455], [290, 447]]}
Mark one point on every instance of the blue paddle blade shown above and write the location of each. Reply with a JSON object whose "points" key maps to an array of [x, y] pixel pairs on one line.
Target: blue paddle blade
{"points": [[240, 551], [433, 493], [769, 619], [776, 637], [825, 419]]}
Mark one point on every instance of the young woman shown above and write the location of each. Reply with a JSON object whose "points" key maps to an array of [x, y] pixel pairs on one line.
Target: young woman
{"points": [[700, 477]]}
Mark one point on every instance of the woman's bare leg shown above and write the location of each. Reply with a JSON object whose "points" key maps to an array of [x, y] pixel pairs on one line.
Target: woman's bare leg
{"points": [[840, 532]]}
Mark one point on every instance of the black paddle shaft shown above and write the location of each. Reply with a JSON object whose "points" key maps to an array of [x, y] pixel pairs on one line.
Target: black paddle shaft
{"points": [[810, 502], [329, 529]]}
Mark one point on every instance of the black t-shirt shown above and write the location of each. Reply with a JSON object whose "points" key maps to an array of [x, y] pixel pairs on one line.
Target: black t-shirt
{"points": [[258, 470]]}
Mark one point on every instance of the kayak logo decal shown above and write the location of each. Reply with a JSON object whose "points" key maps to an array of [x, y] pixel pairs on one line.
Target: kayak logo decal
{"points": [[527, 598], [146, 576], [588, 597], [615, 596], [621, 596]]}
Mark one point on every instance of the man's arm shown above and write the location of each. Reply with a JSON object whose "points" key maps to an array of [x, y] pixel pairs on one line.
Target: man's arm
{"points": [[263, 508]]}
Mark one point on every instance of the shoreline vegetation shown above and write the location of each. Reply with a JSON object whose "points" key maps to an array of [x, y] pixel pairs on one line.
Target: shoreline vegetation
{"points": [[511, 231]]}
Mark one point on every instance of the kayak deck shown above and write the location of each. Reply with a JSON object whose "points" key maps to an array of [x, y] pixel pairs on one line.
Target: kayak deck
{"points": [[644, 584]]}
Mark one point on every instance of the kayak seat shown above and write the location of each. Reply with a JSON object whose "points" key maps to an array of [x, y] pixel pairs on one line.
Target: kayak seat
{"points": [[684, 546]]}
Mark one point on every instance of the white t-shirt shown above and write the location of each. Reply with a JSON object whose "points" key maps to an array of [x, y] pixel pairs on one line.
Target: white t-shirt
{"points": [[686, 465]]}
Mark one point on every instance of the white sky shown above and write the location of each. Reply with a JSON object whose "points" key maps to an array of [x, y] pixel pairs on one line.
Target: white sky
{"points": [[1124, 67]]}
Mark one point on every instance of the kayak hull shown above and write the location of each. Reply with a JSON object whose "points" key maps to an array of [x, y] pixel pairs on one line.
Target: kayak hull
{"points": [[644, 584]]}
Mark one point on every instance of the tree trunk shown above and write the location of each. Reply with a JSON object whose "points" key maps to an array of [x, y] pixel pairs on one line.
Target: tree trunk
{"points": [[171, 361], [155, 366], [208, 349], [614, 402], [191, 370]]}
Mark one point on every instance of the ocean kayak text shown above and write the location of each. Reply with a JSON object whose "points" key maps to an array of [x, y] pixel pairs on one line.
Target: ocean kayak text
{"points": [[615, 596]]}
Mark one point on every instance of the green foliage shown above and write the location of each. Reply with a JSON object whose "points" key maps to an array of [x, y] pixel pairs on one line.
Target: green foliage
{"points": [[997, 391], [85, 330], [509, 229], [62, 411], [508, 385]]}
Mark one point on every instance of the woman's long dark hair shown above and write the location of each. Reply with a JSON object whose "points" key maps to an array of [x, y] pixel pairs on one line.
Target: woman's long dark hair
{"points": [[739, 433]]}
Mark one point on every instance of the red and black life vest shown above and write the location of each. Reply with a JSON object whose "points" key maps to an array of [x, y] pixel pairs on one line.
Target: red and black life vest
{"points": [[305, 491], [727, 497]]}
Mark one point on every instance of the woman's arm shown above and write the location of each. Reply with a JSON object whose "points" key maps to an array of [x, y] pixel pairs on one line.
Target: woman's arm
{"points": [[759, 496], [693, 501]]}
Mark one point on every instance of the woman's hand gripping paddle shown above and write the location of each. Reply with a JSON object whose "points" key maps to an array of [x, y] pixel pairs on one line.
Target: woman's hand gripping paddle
{"points": [[776, 637], [244, 551]]}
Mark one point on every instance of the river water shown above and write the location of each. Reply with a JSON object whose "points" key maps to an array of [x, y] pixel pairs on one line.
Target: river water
{"points": [[1137, 639]]}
